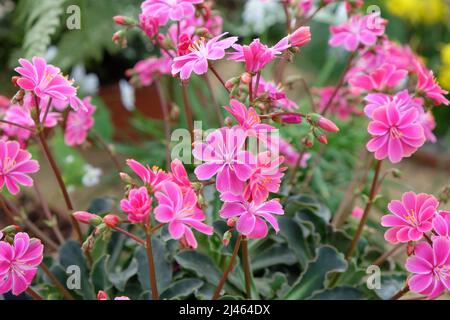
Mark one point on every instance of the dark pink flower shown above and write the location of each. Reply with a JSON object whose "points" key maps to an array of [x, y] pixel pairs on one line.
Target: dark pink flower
{"points": [[138, 205], [19, 262], [149, 24], [78, 124], [395, 135], [441, 224], [251, 216], [179, 175], [15, 166], [224, 156], [410, 218], [181, 213], [430, 265], [200, 53], [300, 37], [152, 177], [426, 83], [385, 77]]}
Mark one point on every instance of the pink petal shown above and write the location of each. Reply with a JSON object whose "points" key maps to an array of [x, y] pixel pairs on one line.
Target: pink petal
{"points": [[418, 265], [246, 223]]}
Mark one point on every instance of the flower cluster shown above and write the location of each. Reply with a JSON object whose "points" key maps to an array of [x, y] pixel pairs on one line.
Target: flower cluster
{"points": [[416, 218]]}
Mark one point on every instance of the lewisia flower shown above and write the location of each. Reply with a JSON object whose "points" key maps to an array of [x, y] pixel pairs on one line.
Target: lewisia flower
{"points": [[137, 206], [179, 175], [341, 105], [291, 155], [266, 177], [151, 177], [15, 165], [275, 94], [102, 295], [441, 224], [300, 37], [251, 216], [45, 80], [257, 55], [181, 213], [175, 10], [19, 262], [395, 135], [386, 76], [78, 124], [430, 265], [224, 156], [359, 30], [410, 218], [146, 71], [149, 24], [426, 83], [200, 52]]}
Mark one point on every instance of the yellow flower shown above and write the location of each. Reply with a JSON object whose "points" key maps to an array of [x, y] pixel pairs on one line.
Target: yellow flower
{"points": [[419, 11], [445, 54], [444, 76]]}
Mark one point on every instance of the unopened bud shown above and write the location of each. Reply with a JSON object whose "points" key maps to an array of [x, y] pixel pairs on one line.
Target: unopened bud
{"points": [[410, 248], [14, 80], [228, 122], [246, 78], [111, 220], [125, 177], [87, 218], [226, 238], [231, 222], [102, 295], [322, 138], [124, 21]]}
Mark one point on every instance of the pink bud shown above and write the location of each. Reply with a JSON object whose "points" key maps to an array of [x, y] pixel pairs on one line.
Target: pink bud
{"points": [[87, 218], [111, 220], [410, 249], [14, 80], [288, 117], [231, 222], [300, 37], [327, 125], [226, 242], [120, 20], [246, 78], [357, 212], [229, 84], [116, 37], [322, 138], [102, 295]]}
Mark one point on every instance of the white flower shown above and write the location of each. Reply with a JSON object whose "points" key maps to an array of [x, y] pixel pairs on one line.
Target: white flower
{"points": [[92, 176]]}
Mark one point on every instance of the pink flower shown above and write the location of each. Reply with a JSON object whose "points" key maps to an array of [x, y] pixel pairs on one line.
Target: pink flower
{"points": [[441, 224], [43, 79], [137, 206], [395, 135], [224, 156], [341, 105], [291, 155], [430, 265], [276, 95], [180, 176], [266, 177], [249, 120], [152, 177], [102, 295], [251, 216], [357, 212], [411, 217], [175, 10], [181, 213], [78, 124], [305, 6], [257, 55], [300, 37], [201, 51], [19, 262], [381, 79], [15, 165], [149, 69], [426, 83], [357, 31], [149, 24]]}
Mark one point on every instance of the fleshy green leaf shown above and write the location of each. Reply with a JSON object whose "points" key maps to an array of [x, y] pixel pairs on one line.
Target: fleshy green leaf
{"points": [[199, 263], [181, 289]]}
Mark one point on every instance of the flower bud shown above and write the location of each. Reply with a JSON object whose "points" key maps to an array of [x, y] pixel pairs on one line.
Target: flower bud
{"points": [[300, 37], [226, 238], [410, 248], [111, 220], [126, 178], [327, 125], [231, 222], [228, 122], [322, 138], [102, 295], [14, 80], [308, 141], [87, 218], [287, 117], [246, 78], [124, 21]]}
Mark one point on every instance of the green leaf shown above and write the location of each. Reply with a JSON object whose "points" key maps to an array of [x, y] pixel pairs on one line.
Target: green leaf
{"points": [[338, 293], [163, 269], [275, 255], [390, 285], [120, 278], [181, 289], [99, 274], [200, 264], [70, 254], [313, 279], [101, 205]]}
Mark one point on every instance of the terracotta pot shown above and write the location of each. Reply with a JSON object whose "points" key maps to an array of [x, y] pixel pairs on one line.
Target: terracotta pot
{"points": [[147, 102]]}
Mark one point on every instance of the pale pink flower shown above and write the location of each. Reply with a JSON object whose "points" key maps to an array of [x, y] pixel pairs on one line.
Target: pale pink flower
{"points": [[15, 165], [201, 51], [78, 124], [43, 79], [395, 135], [359, 30], [149, 69], [224, 156], [275, 94], [137, 206], [251, 216], [19, 262], [152, 177], [257, 55], [175, 10], [385, 77], [266, 177], [441, 224], [410, 218], [426, 83], [181, 213], [430, 265]]}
